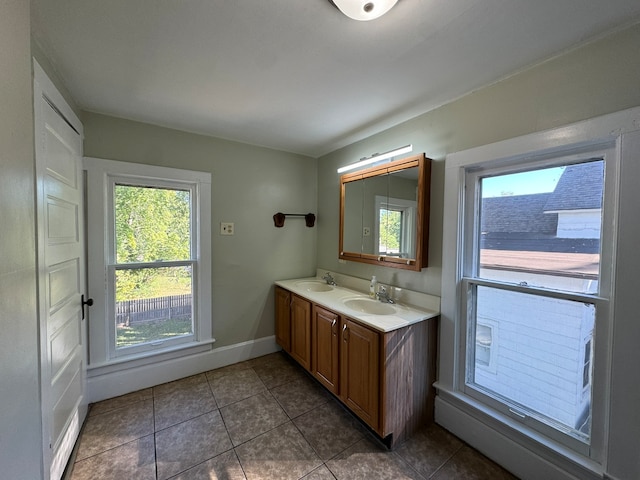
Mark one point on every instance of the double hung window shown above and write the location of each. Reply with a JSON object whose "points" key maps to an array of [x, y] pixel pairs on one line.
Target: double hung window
{"points": [[151, 251], [536, 269]]}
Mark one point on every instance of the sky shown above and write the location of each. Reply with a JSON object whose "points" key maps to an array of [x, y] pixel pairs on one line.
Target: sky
{"points": [[537, 181]]}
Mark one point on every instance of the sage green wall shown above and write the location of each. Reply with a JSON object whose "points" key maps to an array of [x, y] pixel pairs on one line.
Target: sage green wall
{"points": [[249, 185], [20, 418], [599, 78]]}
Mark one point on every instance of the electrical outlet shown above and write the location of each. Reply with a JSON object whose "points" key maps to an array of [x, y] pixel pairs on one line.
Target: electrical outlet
{"points": [[226, 228], [366, 232]]}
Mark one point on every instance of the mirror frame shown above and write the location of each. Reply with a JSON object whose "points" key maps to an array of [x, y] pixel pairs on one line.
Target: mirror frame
{"points": [[422, 213]]}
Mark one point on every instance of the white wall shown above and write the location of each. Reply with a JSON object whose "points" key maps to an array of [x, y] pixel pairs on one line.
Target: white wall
{"points": [[597, 79], [20, 437], [248, 185]]}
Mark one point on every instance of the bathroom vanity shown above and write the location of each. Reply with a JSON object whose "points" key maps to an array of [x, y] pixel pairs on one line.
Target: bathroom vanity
{"points": [[379, 359]]}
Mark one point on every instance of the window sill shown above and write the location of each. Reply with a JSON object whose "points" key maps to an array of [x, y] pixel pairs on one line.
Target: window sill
{"points": [[533, 441], [146, 358]]}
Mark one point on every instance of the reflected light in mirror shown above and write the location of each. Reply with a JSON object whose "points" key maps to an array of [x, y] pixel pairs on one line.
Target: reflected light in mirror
{"points": [[378, 157]]}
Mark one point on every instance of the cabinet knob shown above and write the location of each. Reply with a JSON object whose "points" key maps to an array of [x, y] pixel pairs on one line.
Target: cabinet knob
{"points": [[344, 332]]}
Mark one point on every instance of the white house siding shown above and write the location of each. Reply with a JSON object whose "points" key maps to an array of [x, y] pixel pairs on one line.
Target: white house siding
{"points": [[579, 224], [538, 361]]}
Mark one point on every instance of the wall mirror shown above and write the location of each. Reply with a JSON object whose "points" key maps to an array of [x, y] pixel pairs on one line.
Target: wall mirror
{"points": [[384, 214]]}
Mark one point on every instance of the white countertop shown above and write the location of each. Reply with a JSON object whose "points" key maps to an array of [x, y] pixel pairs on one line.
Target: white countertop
{"points": [[334, 299]]}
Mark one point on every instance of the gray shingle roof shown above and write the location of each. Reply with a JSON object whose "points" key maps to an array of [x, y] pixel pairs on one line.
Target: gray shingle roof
{"points": [[518, 213], [579, 187]]}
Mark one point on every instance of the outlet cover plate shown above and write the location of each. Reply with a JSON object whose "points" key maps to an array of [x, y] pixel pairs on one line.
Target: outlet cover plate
{"points": [[226, 228]]}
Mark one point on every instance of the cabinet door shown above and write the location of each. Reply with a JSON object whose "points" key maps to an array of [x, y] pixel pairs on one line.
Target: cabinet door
{"points": [[301, 331], [283, 318], [360, 371], [325, 328]]}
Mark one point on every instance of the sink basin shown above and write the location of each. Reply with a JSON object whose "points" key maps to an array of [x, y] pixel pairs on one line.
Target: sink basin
{"points": [[311, 286], [367, 305]]}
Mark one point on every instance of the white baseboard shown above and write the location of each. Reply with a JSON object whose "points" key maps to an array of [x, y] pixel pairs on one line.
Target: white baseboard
{"points": [[121, 382], [519, 460]]}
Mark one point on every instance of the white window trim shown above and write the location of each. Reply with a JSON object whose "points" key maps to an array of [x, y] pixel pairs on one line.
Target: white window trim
{"points": [[101, 175], [610, 131]]}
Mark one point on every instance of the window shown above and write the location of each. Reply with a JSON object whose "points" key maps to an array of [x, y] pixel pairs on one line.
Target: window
{"points": [[154, 262], [586, 369], [532, 268], [484, 339], [152, 254], [395, 229]]}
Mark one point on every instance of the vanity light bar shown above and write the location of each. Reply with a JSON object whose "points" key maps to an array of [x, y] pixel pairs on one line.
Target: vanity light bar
{"points": [[378, 157]]}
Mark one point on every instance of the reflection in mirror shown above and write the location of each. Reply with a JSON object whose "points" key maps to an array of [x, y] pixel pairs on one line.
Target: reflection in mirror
{"points": [[353, 209], [396, 215], [374, 187], [384, 216]]}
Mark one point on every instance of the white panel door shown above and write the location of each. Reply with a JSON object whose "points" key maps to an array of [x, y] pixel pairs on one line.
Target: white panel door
{"points": [[61, 268]]}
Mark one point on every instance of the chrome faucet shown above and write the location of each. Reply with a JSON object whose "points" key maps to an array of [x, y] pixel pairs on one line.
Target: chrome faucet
{"points": [[329, 279], [383, 295]]}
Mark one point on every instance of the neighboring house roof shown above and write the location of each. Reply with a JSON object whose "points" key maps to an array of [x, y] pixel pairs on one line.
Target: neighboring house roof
{"points": [[518, 214], [517, 234], [528, 242], [579, 188], [577, 265]]}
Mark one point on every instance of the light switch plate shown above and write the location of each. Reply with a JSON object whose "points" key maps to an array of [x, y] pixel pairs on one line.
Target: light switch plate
{"points": [[226, 228]]}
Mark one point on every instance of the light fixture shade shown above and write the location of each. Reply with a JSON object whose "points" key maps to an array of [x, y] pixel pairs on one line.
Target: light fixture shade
{"points": [[378, 157], [364, 9]]}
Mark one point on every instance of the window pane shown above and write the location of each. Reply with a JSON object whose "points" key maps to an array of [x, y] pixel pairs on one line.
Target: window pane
{"points": [[542, 227], [153, 304], [390, 231], [152, 224], [542, 356]]}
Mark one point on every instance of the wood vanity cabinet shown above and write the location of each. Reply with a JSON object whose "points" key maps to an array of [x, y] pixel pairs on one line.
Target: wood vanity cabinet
{"points": [[325, 330], [283, 318], [385, 378], [360, 371], [293, 326]]}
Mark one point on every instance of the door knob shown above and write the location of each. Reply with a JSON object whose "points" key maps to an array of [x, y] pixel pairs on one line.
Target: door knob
{"points": [[88, 302]]}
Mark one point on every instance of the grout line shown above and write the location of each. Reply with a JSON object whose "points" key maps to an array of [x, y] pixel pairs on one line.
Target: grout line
{"points": [[155, 445], [446, 461]]}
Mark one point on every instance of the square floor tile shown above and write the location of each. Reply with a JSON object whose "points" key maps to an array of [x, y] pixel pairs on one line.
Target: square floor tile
{"points": [[236, 386], [108, 430], [135, 459], [223, 467], [282, 454], [121, 401], [320, 473], [277, 369], [190, 443], [252, 417], [177, 385], [329, 429], [428, 449], [182, 405], [300, 396], [226, 370], [469, 464], [367, 460]]}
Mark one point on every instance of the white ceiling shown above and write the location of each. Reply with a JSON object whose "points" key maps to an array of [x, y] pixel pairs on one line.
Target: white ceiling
{"points": [[297, 75]]}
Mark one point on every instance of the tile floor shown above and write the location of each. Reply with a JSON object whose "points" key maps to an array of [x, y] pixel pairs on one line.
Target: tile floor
{"points": [[260, 419]]}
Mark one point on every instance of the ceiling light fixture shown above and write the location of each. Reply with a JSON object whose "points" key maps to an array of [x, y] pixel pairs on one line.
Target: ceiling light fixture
{"points": [[364, 9], [378, 157]]}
